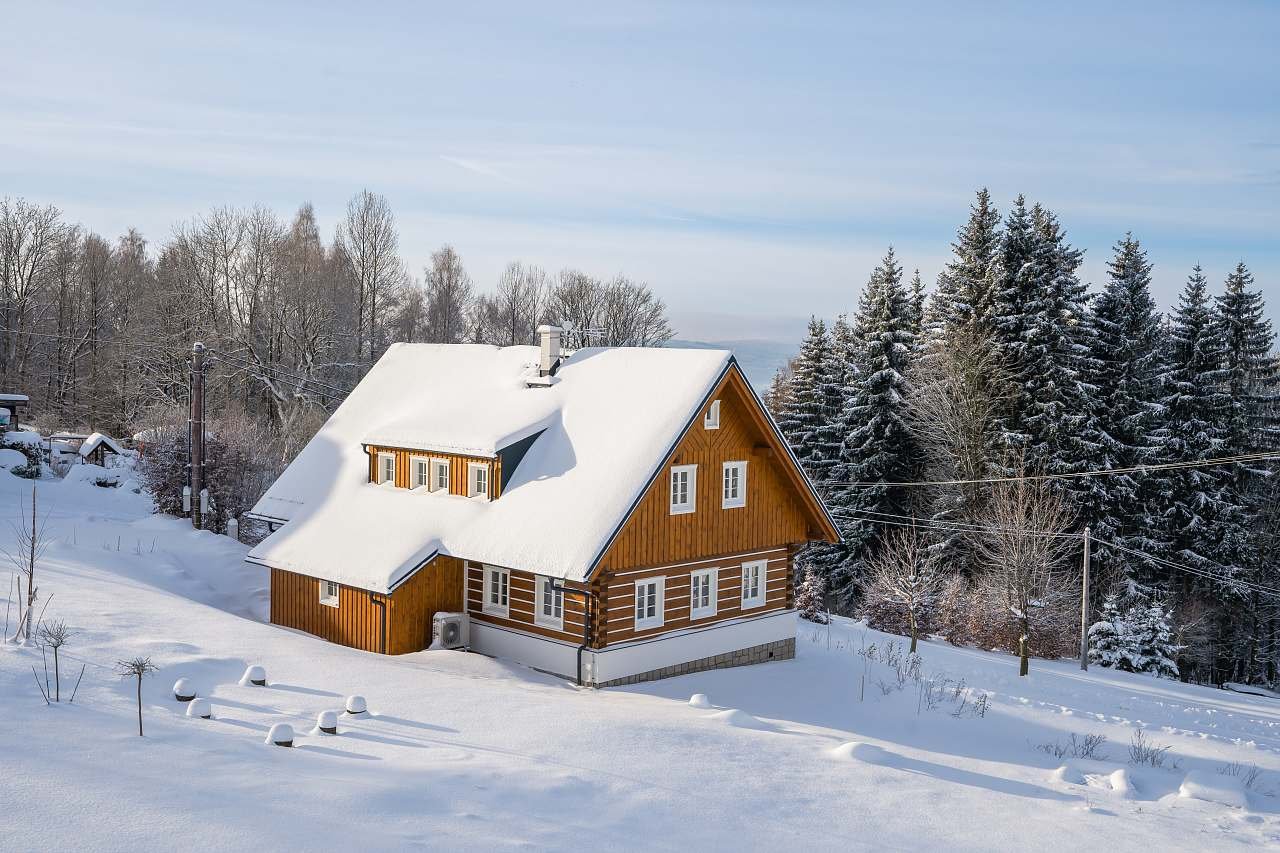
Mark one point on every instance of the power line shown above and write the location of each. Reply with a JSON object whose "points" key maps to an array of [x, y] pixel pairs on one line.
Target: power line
{"points": [[1204, 573], [297, 381], [1158, 466]]}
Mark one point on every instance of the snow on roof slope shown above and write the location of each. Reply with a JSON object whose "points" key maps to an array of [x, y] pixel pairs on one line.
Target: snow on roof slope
{"points": [[604, 427], [14, 398], [91, 443]]}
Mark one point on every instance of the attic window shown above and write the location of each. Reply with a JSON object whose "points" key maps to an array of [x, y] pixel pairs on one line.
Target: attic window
{"points": [[478, 481], [735, 485], [684, 488], [439, 475], [421, 473], [386, 468], [712, 419], [329, 593]]}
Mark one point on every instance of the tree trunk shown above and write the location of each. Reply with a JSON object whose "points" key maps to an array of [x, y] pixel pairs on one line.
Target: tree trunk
{"points": [[139, 706], [57, 678], [913, 632], [1024, 663]]}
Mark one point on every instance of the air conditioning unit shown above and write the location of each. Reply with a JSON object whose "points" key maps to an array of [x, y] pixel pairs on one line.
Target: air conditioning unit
{"points": [[450, 631]]}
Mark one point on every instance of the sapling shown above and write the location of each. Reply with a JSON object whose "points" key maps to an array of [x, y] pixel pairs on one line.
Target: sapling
{"points": [[136, 668], [54, 635]]}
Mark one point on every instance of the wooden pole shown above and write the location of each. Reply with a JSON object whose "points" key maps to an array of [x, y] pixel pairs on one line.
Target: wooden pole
{"points": [[1084, 606], [197, 432]]}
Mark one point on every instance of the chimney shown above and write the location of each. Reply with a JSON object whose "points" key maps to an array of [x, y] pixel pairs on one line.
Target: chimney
{"points": [[549, 341]]}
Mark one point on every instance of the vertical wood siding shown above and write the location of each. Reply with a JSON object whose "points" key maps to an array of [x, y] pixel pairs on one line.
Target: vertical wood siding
{"points": [[435, 588]]}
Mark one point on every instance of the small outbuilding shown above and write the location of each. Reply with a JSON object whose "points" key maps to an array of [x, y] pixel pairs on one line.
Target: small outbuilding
{"points": [[9, 406], [97, 447]]}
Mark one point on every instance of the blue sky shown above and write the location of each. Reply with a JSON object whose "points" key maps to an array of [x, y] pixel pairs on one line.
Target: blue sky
{"points": [[750, 161]]}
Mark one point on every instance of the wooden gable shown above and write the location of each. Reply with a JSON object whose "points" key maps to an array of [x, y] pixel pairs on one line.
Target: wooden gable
{"points": [[780, 508]]}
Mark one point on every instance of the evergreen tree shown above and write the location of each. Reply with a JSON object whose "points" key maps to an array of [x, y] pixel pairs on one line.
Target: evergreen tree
{"points": [[1157, 652], [1111, 639], [1204, 520], [1252, 372], [878, 447], [963, 293], [811, 596], [915, 308], [808, 417], [1128, 382]]}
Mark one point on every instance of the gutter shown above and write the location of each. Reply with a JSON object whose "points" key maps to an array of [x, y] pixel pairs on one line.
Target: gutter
{"points": [[588, 598], [383, 604]]}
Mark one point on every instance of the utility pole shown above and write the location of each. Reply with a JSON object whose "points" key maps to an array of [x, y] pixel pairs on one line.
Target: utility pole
{"points": [[197, 433], [1084, 605]]}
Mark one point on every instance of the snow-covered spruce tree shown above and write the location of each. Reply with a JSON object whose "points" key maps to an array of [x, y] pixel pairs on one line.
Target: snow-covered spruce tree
{"points": [[963, 293], [1204, 519], [878, 447], [1128, 380], [1111, 638], [1157, 652], [811, 596], [915, 308], [1252, 370]]}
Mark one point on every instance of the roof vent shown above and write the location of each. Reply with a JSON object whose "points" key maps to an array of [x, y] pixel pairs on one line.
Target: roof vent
{"points": [[549, 341]]}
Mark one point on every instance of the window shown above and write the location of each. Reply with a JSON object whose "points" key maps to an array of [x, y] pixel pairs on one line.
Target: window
{"points": [[386, 468], [649, 603], [478, 475], [712, 419], [329, 593], [735, 485], [497, 588], [420, 472], [439, 475], [684, 488], [702, 593], [753, 583], [549, 611]]}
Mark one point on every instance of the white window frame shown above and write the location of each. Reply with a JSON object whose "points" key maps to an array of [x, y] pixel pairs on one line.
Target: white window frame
{"points": [[708, 579], [382, 471], [644, 623], [555, 619], [762, 587], [434, 466], [414, 462], [711, 420], [691, 492], [727, 502], [472, 468], [501, 607], [329, 593]]}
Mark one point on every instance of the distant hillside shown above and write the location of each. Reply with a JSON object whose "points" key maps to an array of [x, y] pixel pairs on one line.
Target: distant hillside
{"points": [[759, 359]]}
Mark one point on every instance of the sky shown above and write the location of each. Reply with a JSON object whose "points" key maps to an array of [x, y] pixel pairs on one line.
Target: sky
{"points": [[750, 162]]}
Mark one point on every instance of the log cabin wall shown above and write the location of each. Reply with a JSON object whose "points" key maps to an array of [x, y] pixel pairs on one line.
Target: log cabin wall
{"points": [[458, 479], [520, 606]]}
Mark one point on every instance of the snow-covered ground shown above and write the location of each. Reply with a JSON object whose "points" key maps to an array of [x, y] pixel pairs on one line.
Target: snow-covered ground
{"points": [[462, 752]]}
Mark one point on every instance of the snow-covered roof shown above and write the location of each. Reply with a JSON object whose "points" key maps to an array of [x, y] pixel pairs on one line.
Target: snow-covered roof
{"points": [[602, 429], [91, 443], [14, 398]]}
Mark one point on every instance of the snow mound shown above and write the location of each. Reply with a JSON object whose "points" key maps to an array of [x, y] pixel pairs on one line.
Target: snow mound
{"points": [[23, 436], [199, 708], [867, 753], [356, 705], [1069, 774], [738, 719], [699, 700], [1121, 784], [10, 457], [326, 723], [1248, 689], [254, 675], [1214, 788], [184, 690], [281, 734]]}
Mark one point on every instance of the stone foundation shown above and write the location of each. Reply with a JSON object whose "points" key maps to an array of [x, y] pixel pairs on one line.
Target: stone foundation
{"points": [[777, 650]]}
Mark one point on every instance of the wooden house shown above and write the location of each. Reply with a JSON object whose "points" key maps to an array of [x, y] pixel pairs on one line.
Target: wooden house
{"points": [[9, 406], [612, 514]]}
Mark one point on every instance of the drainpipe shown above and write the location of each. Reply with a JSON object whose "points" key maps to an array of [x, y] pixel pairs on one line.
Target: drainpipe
{"points": [[383, 604], [588, 597]]}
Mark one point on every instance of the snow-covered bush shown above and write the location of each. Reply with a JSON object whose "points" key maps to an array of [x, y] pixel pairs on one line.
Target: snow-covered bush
{"points": [[242, 460], [811, 594]]}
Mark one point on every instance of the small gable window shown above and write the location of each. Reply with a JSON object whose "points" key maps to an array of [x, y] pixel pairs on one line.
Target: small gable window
{"points": [[684, 487], [649, 603], [421, 473], [386, 468], [712, 418], [735, 485], [497, 589], [329, 593], [478, 475], [439, 475]]}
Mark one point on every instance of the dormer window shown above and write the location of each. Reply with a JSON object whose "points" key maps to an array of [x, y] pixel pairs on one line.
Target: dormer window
{"points": [[439, 475], [386, 468], [478, 481], [420, 472], [712, 418]]}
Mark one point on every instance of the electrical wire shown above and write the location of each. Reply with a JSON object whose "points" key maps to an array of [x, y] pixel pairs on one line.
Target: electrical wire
{"points": [[297, 380]]}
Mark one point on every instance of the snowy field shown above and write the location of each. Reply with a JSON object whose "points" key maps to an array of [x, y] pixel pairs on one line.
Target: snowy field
{"points": [[463, 752]]}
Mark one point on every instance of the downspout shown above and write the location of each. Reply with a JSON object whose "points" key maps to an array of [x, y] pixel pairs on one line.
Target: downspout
{"points": [[383, 604], [588, 598]]}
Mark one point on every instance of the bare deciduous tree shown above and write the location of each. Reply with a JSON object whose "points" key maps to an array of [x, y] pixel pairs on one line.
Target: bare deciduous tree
{"points": [[1024, 549], [30, 540], [54, 634], [448, 297], [905, 573]]}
